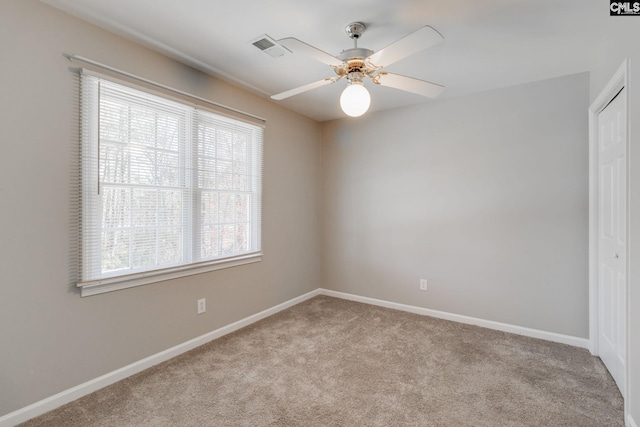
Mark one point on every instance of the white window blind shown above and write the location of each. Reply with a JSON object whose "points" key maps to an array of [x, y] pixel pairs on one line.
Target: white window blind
{"points": [[168, 189]]}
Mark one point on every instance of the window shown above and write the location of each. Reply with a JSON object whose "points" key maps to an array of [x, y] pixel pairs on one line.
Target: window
{"points": [[169, 189]]}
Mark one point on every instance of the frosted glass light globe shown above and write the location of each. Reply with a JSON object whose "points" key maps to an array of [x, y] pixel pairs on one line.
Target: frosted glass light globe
{"points": [[355, 100]]}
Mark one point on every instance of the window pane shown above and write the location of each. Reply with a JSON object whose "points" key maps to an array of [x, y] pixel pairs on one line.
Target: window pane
{"points": [[116, 204], [206, 141], [168, 132], [224, 175], [144, 248], [240, 181], [242, 208], [115, 250], [206, 173], [224, 144], [169, 207], [210, 241], [144, 207], [114, 119], [227, 237], [168, 171], [209, 206], [114, 163], [142, 166], [240, 148], [169, 245], [227, 208], [242, 240], [142, 126]]}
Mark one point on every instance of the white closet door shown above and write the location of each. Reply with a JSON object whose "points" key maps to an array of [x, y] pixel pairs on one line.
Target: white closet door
{"points": [[612, 244]]}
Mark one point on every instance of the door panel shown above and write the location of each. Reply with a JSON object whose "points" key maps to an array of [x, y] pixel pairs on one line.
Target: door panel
{"points": [[612, 228]]}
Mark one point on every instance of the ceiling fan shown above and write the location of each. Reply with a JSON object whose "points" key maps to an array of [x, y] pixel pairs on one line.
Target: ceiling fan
{"points": [[357, 64]]}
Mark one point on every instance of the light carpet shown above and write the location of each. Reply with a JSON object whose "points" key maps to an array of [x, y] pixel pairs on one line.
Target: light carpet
{"points": [[331, 362]]}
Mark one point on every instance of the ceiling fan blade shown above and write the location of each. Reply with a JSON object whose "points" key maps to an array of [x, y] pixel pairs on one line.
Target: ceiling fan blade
{"points": [[298, 46], [296, 91], [415, 42], [409, 84]]}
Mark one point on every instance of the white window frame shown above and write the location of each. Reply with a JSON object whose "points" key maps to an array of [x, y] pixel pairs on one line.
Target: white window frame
{"points": [[93, 280]]}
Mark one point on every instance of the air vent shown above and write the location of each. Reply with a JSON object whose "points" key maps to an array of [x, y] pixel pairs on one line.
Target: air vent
{"points": [[269, 46], [263, 44]]}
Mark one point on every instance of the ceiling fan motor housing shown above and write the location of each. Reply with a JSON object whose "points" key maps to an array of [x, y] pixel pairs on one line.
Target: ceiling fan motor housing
{"points": [[355, 53], [355, 67]]}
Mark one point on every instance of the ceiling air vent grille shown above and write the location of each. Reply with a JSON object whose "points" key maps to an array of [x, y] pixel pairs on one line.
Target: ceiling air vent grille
{"points": [[269, 46]]}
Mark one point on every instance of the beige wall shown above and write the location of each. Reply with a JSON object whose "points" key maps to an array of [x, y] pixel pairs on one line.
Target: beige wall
{"points": [[50, 338], [622, 43], [485, 196]]}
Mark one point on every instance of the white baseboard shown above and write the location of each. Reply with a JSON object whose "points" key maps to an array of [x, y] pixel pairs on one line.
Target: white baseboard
{"points": [[81, 390], [504, 327], [630, 422]]}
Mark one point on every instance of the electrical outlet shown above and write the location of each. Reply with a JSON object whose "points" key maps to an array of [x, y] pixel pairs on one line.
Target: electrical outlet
{"points": [[423, 284], [202, 305]]}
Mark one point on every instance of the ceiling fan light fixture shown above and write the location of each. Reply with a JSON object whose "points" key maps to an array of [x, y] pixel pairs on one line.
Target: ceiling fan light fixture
{"points": [[355, 99]]}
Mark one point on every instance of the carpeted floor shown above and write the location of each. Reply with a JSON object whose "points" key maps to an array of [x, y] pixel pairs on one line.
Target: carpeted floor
{"points": [[331, 362]]}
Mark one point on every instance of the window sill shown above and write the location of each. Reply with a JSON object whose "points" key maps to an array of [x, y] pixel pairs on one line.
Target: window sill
{"points": [[101, 286]]}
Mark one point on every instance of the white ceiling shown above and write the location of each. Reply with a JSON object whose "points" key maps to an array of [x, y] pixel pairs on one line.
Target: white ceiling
{"points": [[487, 44]]}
